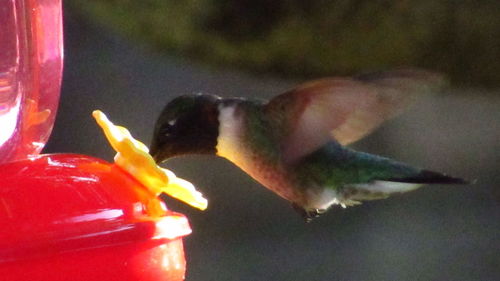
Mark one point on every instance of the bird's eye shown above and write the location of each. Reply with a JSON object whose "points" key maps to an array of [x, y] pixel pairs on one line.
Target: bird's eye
{"points": [[167, 130]]}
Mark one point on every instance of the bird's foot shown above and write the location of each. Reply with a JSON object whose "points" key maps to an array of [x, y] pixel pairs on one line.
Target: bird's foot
{"points": [[307, 214]]}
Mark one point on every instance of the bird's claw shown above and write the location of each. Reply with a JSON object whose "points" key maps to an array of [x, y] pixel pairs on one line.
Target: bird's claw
{"points": [[307, 215]]}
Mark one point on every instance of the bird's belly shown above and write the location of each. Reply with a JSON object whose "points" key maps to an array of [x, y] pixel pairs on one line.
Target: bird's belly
{"points": [[272, 176], [234, 146], [320, 198], [275, 177]]}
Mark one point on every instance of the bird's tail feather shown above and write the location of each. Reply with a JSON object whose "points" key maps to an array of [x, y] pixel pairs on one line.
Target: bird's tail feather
{"points": [[429, 177], [380, 189]]}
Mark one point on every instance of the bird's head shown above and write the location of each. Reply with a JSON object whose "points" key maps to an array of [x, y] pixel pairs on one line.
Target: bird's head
{"points": [[187, 125]]}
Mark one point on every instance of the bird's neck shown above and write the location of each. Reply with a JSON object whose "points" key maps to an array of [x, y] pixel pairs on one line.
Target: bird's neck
{"points": [[244, 136], [229, 140]]}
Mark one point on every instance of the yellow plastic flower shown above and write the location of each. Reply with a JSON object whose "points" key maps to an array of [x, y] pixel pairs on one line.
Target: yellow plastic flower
{"points": [[133, 156]]}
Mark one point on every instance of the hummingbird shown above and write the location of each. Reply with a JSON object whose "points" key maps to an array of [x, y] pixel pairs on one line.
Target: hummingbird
{"points": [[295, 143]]}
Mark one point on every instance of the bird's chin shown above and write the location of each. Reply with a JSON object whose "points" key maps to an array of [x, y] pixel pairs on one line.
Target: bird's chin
{"points": [[157, 155], [161, 157], [158, 159], [156, 151]]}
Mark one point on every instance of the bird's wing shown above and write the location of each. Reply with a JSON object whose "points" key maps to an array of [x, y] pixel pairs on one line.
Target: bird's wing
{"points": [[345, 109]]}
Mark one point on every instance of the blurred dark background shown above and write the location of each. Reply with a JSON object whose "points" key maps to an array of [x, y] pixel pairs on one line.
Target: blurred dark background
{"points": [[129, 58], [296, 38]]}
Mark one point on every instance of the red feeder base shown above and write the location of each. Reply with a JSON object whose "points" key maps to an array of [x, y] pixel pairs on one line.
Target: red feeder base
{"points": [[73, 217]]}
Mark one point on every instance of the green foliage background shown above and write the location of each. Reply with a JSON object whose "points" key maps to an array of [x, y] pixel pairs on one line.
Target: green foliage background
{"points": [[295, 38]]}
